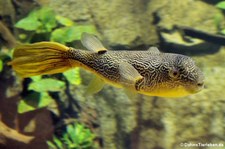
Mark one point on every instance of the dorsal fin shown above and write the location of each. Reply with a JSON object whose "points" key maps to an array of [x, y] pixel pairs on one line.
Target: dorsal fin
{"points": [[154, 50], [92, 43]]}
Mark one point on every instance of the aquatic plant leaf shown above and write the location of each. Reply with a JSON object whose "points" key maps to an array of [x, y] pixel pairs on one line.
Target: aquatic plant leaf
{"points": [[40, 20], [64, 21], [45, 100], [223, 31], [1, 65], [69, 142], [76, 136], [24, 107], [66, 139], [80, 29], [63, 35], [221, 5], [34, 101], [48, 18], [81, 133], [69, 34], [30, 126], [73, 76], [218, 20], [47, 84], [22, 36], [58, 142], [29, 103], [36, 78], [29, 23], [71, 133], [51, 145]]}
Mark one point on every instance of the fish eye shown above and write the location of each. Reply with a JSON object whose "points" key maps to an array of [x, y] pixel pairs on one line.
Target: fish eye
{"points": [[174, 73]]}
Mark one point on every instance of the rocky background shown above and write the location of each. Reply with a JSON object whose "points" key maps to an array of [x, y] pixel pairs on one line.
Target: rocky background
{"points": [[145, 122]]}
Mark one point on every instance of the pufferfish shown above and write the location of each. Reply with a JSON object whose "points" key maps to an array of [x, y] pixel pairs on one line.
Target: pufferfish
{"points": [[149, 72]]}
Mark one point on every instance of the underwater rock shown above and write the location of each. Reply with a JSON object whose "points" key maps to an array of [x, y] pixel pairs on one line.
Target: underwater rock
{"points": [[174, 43], [131, 23], [121, 22], [191, 14]]}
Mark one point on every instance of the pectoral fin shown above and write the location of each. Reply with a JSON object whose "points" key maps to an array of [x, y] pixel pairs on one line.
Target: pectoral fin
{"points": [[95, 86], [92, 43], [129, 75]]}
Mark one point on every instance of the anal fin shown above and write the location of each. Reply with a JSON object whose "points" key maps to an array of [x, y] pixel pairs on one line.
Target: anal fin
{"points": [[130, 93]]}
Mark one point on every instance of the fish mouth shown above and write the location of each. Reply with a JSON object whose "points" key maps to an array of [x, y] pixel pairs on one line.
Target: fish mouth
{"points": [[196, 88]]}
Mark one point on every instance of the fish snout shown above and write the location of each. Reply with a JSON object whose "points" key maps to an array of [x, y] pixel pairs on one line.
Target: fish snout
{"points": [[200, 84], [200, 80], [197, 87]]}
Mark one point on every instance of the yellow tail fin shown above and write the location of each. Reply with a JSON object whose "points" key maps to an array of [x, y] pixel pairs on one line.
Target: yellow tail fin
{"points": [[40, 58]]}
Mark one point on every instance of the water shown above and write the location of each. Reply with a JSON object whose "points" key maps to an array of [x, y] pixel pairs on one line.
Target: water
{"points": [[35, 109]]}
